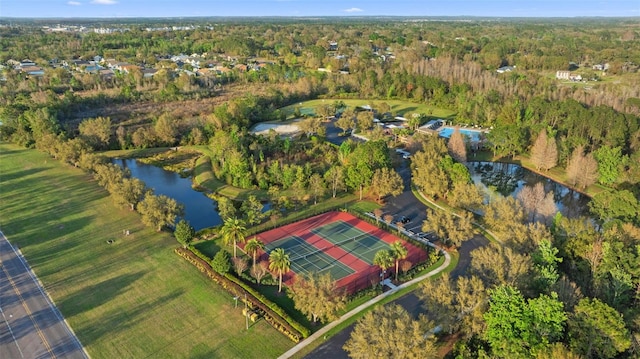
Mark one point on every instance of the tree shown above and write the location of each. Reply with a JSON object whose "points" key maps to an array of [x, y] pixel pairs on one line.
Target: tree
{"points": [[610, 162], [451, 228], [232, 232], [159, 211], [364, 120], [615, 205], [582, 170], [166, 129], [466, 195], [316, 186], [500, 265], [312, 125], [427, 171], [239, 265], [335, 178], [258, 272], [252, 210], [457, 147], [504, 214], [385, 182], [96, 131], [383, 259], [318, 297], [110, 175], [130, 192], [221, 262], [279, 262], [252, 247], [596, 330], [544, 153], [457, 305], [389, 332], [537, 205], [545, 262], [346, 121], [516, 328], [399, 252], [184, 233], [226, 209]]}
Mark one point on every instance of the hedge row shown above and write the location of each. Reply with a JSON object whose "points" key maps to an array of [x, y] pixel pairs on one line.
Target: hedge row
{"points": [[271, 305], [295, 331]]}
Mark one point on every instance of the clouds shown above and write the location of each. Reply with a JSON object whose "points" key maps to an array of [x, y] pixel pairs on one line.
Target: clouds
{"points": [[74, 3], [353, 9], [104, 2]]}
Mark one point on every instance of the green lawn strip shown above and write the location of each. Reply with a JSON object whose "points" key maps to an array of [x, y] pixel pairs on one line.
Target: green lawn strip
{"points": [[337, 329], [133, 298], [397, 106]]}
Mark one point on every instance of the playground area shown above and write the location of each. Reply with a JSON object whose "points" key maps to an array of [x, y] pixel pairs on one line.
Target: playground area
{"points": [[337, 243]]}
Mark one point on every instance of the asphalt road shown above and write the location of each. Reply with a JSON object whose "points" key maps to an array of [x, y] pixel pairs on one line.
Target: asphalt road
{"points": [[409, 206], [30, 325]]}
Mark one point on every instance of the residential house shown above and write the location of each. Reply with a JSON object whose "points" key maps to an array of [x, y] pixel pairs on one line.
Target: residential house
{"points": [[563, 75]]}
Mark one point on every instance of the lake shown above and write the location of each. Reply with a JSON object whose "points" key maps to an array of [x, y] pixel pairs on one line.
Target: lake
{"points": [[508, 179], [200, 210]]}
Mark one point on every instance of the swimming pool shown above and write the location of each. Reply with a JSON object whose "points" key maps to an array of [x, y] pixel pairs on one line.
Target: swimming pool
{"points": [[473, 135]]}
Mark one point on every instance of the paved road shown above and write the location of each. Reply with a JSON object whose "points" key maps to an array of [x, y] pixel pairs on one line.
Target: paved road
{"points": [[409, 206], [30, 325]]}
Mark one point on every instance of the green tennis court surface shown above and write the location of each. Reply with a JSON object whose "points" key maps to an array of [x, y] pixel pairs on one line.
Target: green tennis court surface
{"points": [[352, 240], [306, 259]]}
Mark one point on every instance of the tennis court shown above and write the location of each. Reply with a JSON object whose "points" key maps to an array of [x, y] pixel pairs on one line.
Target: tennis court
{"points": [[337, 243], [306, 259], [361, 244]]}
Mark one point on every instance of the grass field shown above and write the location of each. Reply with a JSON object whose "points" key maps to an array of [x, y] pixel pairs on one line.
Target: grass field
{"points": [[397, 106], [130, 299]]}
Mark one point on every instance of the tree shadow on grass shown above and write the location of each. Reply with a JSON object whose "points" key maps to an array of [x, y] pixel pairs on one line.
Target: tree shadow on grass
{"points": [[93, 296], [120, 319], [20, 174]]}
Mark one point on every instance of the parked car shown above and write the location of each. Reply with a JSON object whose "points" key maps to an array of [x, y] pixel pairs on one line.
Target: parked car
{"points": [[405, 219]]}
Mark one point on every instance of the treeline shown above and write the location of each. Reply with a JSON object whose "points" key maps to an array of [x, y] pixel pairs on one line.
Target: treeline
{"points": [[552, 286]]}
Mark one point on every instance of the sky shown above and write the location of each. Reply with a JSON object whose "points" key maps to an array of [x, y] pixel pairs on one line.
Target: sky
{"points": [[306, 8]]}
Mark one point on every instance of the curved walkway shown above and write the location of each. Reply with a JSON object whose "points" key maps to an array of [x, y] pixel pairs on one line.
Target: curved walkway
{"points": [[324, 330]]}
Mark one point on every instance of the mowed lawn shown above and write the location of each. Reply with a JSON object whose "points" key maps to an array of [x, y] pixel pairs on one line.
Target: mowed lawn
{"points": [[131, 299], [397, 106]]}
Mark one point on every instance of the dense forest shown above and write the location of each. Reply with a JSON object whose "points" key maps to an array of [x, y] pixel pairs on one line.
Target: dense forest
{"points": [[556, 287]]}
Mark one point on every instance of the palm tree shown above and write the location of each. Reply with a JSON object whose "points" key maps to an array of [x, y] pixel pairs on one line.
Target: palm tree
{"points": [[279, 261], [399, 252], [232, 231], [384, 260], [252, 247]]}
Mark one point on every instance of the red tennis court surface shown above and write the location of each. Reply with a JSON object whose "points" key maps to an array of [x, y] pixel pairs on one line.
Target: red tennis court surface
{"points": [[338, 243]]}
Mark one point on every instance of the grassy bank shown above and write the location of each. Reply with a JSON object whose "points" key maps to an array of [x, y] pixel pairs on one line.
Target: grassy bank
{"points": [[397, 106], [130, 299]]}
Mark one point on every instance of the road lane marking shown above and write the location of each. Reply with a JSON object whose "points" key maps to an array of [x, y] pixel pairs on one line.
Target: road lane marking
{"points": [[26, 308]]}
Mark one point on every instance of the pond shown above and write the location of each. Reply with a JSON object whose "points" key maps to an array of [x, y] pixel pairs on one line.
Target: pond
{"points": [[200, 210], [508, 179]]}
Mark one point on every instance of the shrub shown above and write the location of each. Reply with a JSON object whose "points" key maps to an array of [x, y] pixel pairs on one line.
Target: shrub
{"points": [[221, 262]]}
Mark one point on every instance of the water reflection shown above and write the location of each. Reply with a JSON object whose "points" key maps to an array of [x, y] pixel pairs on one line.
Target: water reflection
{"points": [[508, 179], [200, 210]]}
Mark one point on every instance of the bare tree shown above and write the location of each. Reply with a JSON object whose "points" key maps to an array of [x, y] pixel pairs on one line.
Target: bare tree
{"points": [[456, 146], [544, 153], [582, 169], [537, 205], [259, 272], [239, 265]]}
